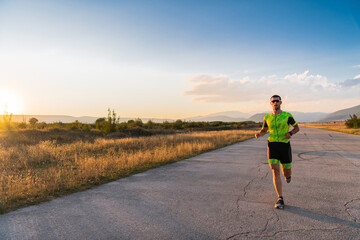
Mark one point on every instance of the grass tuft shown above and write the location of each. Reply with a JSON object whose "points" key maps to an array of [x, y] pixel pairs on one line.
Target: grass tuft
{"points": [[333, 126]]}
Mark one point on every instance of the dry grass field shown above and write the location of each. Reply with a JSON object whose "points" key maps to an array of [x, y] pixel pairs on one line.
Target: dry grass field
{"points": [[333, 126], [39, 165]]}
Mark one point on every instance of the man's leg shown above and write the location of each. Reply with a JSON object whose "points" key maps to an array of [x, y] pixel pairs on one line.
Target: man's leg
{"points": [[276, 178], [286, 163], [286, 171], [275, 167]]}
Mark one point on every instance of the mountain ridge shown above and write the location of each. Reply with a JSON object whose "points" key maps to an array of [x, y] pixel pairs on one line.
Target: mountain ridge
{"points": [[341, 115], [227, 116]]}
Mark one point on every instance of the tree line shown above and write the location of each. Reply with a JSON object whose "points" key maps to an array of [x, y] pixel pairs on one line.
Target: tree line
{"points": [[112, 123]]}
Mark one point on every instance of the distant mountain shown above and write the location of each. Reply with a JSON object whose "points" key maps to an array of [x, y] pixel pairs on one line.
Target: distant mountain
{"points": [[341, 115], [232, 114], [216, 118], [229, 116], [54, 118], [308, 117], [70, 119], [299, 116], [259, 117]]}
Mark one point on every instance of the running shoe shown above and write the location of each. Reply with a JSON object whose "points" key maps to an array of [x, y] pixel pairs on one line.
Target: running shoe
{"points": [[288, 180], [280, 203]]}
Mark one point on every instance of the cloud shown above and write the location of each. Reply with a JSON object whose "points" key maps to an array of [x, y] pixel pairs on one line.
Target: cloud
{"points": [[292, 87], [314, 82], [221, 89], [350, 82], [356, 66]]}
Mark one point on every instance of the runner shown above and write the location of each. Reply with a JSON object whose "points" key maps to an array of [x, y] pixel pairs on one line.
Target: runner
{"points": [[278, 148]]}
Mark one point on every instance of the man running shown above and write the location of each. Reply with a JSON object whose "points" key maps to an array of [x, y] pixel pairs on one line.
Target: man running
{"points": [[278, 148]]}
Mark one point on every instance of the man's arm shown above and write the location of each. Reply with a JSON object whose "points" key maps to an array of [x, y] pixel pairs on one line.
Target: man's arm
{"points": [[293, 131], [263, 130]]}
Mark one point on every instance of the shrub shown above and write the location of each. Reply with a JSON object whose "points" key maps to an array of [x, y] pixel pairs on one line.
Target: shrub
{"points": [[108, 125], [150, 124], [41, 125], [112, 121], [76, 125], [86, 127], [21, 125], [100, 123], [33, 121], [353, 122], [166, 125], [58, 125], [122, 125], [138, 122], [216, 123], [178, 124], [135, 123]]}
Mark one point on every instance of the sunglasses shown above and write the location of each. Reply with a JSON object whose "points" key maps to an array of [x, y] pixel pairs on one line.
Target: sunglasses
{"points": [[274, 101]]}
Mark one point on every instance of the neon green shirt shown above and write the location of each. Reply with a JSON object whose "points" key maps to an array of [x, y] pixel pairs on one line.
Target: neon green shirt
{"points": [[278, 126]]}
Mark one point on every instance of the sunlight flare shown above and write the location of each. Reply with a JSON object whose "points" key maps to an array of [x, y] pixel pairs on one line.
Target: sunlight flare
{"points": [[9, 102]]}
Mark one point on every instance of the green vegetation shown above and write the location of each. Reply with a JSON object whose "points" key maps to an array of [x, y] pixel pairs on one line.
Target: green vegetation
{"points": [[111, 125], [353, 122], [33, 121]]}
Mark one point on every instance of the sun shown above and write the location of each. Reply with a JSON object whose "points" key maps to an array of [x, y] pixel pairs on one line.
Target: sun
{"points": [[9, 102]]}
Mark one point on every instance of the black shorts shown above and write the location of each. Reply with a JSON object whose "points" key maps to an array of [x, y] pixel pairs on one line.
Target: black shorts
{"points": [[280, 151]]}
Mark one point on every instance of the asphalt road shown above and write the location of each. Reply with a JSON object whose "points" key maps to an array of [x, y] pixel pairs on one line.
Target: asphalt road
{"points": [[223, 194]]}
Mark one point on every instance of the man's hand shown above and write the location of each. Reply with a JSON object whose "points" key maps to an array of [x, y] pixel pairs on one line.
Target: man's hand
{"points": [[287, 136], [262, 131]]}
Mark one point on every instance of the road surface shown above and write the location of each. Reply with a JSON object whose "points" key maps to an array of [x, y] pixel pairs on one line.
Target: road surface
{"points": [[223, 194]]}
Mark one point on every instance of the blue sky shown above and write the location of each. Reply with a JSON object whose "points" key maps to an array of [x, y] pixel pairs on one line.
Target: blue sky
{"points": [[175, 59]]}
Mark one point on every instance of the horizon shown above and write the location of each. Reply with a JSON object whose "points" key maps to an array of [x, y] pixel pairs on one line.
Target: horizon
{"points": [[184, 118], [176, 60], [147, 117]]}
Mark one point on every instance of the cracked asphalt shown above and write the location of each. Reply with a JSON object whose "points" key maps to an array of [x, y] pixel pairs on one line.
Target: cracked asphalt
{"points": [[223, 194]]}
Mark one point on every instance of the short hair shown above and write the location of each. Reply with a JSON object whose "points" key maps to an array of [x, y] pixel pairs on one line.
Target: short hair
{"points": [[274, 96]]}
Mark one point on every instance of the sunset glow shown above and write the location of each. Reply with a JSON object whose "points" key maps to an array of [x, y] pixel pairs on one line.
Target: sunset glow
{"points": [[177, 59], [9, 102]]}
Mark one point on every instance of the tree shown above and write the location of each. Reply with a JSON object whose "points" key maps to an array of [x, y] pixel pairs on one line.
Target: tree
{"points": [[353, 122], [166, 124], [178, 124], [138, 122], [150, 124], [33, 121], [109, 124], [112, 121], [99, 123]]}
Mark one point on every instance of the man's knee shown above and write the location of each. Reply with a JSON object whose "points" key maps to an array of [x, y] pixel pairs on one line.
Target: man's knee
{"points": [[287, 172], [276, 171]]}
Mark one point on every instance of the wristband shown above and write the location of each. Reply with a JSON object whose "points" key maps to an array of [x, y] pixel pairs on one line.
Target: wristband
{"points": [[290, 133]]}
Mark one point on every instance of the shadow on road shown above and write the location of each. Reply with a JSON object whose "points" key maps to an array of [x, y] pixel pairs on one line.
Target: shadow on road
{"points": [[320, 217]]}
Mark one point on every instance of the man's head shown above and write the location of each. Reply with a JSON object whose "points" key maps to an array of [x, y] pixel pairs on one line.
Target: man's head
{"points": [[275, 102]]}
